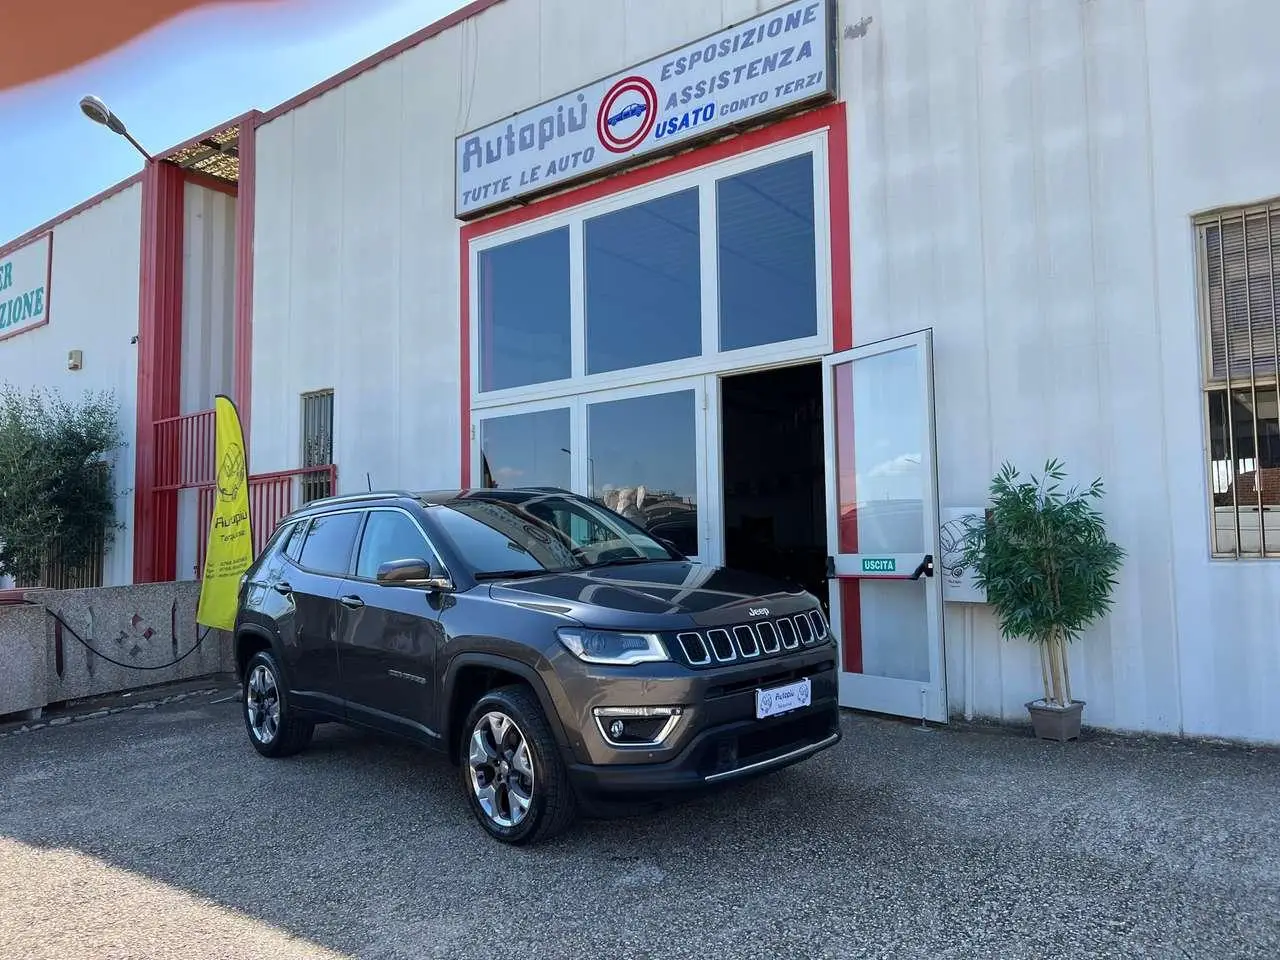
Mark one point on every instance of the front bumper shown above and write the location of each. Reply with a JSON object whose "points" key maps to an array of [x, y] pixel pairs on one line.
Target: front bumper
{"points": [[725, 743], [714, 757]]}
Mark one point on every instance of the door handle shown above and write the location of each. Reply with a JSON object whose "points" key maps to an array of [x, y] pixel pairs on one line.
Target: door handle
{"points": [[925, 568], [353, 602], [283, 587]]}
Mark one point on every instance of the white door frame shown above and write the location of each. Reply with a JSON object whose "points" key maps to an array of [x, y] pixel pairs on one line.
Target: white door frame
{"points": [[912, 698]]}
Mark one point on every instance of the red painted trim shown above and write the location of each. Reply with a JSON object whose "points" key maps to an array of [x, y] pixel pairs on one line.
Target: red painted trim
{"points": [[48, 225], [475, 8], [48, 288], [841, 236], [196, 178], [242, 370], [465, 351], [851, 625], [159, 366]]}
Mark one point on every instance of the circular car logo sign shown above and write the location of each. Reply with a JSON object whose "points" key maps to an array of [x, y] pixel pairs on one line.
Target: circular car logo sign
{"points": [[627, 114]]}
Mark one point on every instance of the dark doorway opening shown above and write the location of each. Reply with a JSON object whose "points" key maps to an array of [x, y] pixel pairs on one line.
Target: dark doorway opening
{"points": [[775, 503]]}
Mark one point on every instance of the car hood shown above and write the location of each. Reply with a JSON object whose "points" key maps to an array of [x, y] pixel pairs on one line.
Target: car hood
{"points": [[655, 596]]}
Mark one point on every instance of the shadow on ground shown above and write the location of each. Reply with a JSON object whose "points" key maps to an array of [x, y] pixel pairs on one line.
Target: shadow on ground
{"points": [[902, 843]]}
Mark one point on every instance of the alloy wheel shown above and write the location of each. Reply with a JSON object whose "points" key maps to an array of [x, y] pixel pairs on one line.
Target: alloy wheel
{"points": [[501, 767], [262, 704]]}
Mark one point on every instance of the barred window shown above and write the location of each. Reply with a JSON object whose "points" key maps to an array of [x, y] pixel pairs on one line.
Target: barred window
{"points": [[317, 444], [1240, 294]]}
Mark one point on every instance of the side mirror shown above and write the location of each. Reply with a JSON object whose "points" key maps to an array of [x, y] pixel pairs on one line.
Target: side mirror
{"points": [[413, 573]]}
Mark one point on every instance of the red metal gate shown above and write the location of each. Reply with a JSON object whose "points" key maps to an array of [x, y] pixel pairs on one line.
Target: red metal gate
{"points": [[272, 497], [185, 453]]}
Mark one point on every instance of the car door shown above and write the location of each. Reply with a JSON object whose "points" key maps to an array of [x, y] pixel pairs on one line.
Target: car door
{"points": [[311, 583], [391, 634]]}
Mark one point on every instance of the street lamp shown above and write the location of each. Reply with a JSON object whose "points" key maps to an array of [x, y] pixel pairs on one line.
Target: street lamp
{"points": [[99, 112]]}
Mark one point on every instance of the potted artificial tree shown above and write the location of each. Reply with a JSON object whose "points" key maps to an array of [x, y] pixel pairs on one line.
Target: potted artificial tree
{"points": [[1043, 558]]}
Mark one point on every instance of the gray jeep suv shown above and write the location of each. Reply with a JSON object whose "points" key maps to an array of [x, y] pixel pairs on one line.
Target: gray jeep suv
{"points": [[561, 656]]}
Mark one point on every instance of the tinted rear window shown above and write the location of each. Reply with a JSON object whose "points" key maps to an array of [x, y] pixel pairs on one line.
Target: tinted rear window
{"points": [[328, 545], [293, 546]]}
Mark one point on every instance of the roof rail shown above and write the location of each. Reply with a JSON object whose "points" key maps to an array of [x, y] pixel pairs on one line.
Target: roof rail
{"points": [[357, 498]]}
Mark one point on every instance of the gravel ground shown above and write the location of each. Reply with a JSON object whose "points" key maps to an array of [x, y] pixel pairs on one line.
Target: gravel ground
{"points": [[160, 833]]}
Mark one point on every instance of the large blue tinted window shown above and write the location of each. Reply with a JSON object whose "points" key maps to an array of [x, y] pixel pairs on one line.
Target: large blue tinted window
{"points": [[768, 255], [524, 311], [643, 463], [526, 450], [643, 284]]}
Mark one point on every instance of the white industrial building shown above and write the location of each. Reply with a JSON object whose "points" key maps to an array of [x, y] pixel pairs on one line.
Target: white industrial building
{"points": [[790, 280]]}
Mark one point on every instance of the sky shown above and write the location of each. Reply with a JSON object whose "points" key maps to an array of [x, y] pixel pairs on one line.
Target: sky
{"points": [[176, 82]]}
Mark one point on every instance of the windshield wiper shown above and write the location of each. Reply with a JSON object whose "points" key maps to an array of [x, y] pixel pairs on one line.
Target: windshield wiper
{"points": [[512, 574], [621, 561]]}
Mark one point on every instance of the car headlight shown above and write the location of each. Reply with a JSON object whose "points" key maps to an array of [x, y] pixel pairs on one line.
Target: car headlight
{"points": [[612, 647]]}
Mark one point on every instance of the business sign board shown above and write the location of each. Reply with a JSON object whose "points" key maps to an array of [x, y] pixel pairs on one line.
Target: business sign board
{"points": [[24, 287], [775, 62]]}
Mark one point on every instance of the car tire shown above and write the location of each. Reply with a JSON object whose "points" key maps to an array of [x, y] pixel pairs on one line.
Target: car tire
{"points": [[513, 775], [274, 728]]}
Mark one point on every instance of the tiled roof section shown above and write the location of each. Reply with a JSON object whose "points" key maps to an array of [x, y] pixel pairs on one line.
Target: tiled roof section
{"points": [[217, 155]]}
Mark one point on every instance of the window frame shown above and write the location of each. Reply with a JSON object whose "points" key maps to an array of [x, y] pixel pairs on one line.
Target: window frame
{"points": [[351, 555], [711, 359], [580, 470], [433, 556], [566, 402], [1211, 386]]}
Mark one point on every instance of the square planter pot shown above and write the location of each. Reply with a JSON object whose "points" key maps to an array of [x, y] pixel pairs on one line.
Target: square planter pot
{"points": [[1056, 723]]}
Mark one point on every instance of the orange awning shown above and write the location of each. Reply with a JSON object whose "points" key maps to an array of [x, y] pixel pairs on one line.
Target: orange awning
{"points": [[46, 37]]}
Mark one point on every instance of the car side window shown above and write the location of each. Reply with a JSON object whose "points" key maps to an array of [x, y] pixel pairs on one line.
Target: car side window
{"points": [[390, 535], [293, 546], [327, 548]]}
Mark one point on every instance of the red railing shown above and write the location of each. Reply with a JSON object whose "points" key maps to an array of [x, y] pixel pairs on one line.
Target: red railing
{"points": [[185, 451], [272, 497]]}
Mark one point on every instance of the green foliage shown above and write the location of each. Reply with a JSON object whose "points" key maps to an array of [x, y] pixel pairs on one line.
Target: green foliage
{"points": [[56, 495], [1043, 556]]}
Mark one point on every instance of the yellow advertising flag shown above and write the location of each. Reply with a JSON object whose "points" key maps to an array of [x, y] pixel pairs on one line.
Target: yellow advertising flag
{"points": [[230, 550]]}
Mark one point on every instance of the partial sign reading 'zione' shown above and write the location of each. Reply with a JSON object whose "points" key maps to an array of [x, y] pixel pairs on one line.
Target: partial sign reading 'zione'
{"points": [[24, 288]]}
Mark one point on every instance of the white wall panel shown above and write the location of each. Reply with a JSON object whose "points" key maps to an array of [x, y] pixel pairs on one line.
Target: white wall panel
{"points": [[1023, 177], [93, 307], [1022, 181], [208, 296], [1208, 74], [208, 325]]}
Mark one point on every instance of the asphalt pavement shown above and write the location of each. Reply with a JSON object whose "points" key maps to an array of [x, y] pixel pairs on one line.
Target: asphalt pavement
{"points": [[157, 832]]}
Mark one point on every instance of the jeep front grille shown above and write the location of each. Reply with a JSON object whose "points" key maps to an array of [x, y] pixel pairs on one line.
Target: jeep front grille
{"points": [[752, 641]]}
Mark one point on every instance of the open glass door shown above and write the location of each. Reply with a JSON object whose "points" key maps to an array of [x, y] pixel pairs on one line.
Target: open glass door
{"points": [[882, 526]]}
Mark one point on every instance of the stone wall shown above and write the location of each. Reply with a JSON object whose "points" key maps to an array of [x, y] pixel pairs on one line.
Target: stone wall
{"points": [[141, 628]]}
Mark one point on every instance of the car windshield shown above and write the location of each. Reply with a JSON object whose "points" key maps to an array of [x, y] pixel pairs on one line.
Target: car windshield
{"points": [[526, 536]]}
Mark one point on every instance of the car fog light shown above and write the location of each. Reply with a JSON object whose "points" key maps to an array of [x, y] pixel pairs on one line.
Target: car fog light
{"points": [[636, 726]]}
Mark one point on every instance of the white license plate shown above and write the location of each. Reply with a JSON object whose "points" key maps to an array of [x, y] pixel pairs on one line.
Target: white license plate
{"points": [[776, 700]]}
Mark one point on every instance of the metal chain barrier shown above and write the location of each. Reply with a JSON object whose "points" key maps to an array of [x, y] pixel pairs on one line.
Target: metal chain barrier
{"points": [[200, 638]]}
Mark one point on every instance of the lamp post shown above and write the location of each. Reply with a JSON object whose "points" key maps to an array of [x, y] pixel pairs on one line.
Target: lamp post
{"points": [[99, 112]]}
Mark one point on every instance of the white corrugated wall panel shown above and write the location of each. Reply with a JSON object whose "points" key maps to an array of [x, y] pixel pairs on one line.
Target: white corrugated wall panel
{"points": [[93, 307], [1023, 178], [1022, 181], [1208, 76], [208, 324]]}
